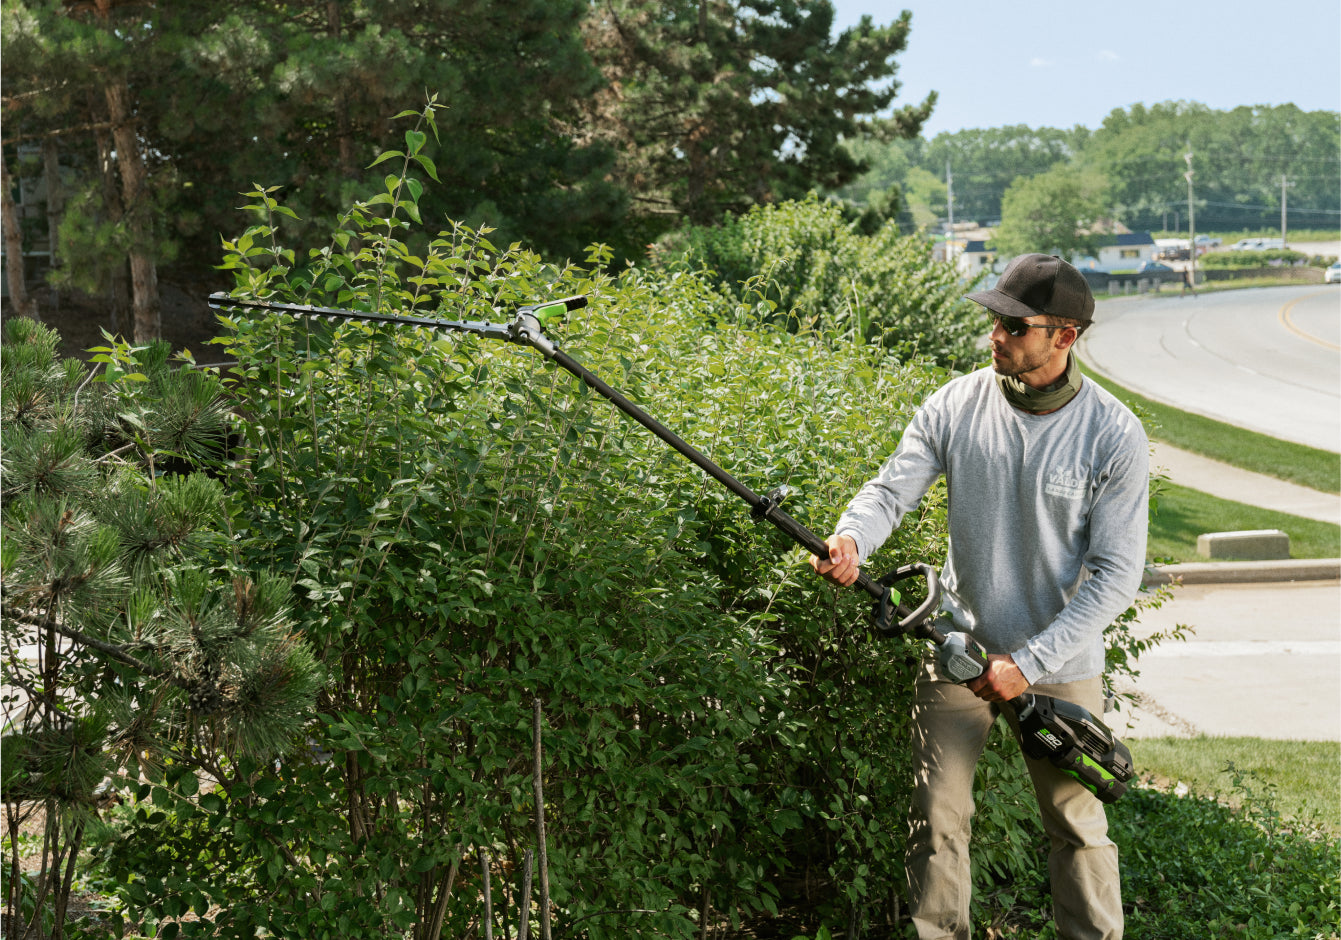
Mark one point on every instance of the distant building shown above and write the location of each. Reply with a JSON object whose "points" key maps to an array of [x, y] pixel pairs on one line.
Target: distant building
{"points": [[1121, 251], [1125, 251], [977, 256]]}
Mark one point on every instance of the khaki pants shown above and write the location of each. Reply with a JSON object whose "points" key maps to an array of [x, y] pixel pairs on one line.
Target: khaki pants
{"points": [[950, 728]]}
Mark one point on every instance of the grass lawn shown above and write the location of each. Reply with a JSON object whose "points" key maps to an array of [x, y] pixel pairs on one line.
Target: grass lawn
{"points": [[1295, 463], [1181, 514], [1300, 779]]}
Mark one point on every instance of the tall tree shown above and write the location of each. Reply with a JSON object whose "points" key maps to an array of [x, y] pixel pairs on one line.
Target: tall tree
{"points": [[719, 104], [303, 94], [984, 162], [1057, 212], [71, 70], [191, 103]]}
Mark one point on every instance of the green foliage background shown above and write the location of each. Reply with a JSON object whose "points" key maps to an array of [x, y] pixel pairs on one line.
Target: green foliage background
{"points": [[1138, 152]]}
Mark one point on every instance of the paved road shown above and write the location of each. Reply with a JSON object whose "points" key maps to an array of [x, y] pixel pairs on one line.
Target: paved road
{"points": [[1266, 359]]}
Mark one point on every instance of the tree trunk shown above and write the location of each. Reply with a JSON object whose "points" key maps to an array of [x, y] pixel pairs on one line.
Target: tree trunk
{"points": [[51, 176], [118, 319], [145, 314], [143, 268], [343, 134], [21, 304]]}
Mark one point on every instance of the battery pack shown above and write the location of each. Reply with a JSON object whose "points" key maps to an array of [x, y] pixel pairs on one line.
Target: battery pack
{"points": [[1073, 740]]}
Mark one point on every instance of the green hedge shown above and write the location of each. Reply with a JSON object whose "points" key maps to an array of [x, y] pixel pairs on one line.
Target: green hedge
{"points": [[1275, 257], [471, 531]]}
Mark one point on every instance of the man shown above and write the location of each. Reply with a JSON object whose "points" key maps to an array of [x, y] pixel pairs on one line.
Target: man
{"points": [[1048, 481]]}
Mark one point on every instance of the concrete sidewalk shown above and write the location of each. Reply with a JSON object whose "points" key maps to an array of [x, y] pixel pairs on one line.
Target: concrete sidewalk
{"points": [[1254, 489], [1264, 661]]}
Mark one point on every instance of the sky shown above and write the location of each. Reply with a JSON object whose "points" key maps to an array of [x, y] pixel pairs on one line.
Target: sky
{"points": [[1045, 63]]}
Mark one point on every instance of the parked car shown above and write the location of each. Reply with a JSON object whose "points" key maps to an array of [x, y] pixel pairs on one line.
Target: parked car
{"points": [[1257, 244], [1206, 241], [1174, 254], [1333, 274], [1153, 267]]}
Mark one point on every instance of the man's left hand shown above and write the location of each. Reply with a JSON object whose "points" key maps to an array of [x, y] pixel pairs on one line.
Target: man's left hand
{"points": [[1001, 682]]}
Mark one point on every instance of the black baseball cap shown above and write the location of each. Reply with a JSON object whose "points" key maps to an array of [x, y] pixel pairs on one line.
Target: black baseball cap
{"points": [[1039, 285]]}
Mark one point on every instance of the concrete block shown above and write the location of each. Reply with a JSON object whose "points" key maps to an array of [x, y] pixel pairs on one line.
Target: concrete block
{"points": [[1253, 545]]}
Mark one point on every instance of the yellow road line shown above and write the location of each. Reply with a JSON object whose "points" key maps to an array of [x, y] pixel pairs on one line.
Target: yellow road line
{"points": [[1289, 324]]}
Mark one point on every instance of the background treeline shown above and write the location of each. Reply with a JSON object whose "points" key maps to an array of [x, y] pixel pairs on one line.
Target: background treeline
{"points": [[1137, 159], [566, 121]]}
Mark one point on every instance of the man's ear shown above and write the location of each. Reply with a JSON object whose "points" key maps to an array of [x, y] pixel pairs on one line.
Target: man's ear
{"points": [[1065, 337]]}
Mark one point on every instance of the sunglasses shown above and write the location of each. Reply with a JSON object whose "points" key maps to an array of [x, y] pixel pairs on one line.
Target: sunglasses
{"points": [[1014, 326]]}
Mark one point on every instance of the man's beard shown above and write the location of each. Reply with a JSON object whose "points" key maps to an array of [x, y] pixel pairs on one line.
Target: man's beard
{"points": [[1018, 366]]}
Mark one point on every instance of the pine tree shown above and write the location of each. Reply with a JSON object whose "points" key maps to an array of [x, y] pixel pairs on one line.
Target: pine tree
{"points": [[129, 648], [716, 105]]}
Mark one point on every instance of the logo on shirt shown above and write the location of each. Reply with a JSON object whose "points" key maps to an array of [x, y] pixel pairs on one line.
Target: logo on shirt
{"points": [[1065, 484]]}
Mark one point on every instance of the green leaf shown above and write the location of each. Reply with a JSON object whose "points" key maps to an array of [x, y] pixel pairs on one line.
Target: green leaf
{"points": [[385, 156], [429, 166]]}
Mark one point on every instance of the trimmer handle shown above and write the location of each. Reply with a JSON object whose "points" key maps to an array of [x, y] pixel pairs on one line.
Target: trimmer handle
{"points": [[913, 621]]}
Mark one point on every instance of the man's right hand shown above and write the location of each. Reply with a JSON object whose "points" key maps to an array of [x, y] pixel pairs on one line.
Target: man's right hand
{"points": [[842, 566]]}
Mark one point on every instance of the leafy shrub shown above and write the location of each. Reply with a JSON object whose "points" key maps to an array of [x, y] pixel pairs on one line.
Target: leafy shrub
{"points": [[471, 531], [1192, 867], [820, 272], [1252, 259]]}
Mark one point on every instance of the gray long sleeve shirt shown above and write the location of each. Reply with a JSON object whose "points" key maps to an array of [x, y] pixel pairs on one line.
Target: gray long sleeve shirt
{"points": [[1048, 517]]}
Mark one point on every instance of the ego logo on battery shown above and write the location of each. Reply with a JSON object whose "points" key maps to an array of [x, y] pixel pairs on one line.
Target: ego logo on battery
{"points": [[1050, 739]]}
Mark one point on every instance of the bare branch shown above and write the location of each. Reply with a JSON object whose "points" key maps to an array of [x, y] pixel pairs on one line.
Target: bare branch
{"points": [[119, 653]]}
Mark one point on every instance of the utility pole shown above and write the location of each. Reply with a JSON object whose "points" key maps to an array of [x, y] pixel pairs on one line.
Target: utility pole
{"points": [[1284, 185], [1191, 219], [950, 207]]}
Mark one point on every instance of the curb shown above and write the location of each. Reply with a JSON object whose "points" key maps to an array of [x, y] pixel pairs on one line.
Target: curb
{"points": [[1245, 572]]}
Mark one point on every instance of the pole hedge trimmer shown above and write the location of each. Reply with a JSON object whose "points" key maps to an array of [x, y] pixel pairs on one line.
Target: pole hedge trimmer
{"points": [[1065, 734]]}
